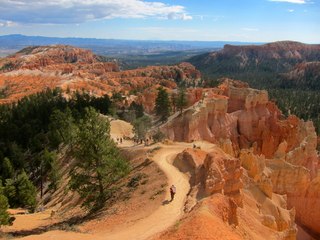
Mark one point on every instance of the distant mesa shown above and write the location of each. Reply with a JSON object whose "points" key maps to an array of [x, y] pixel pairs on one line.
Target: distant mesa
{"points": [[277, 57]]}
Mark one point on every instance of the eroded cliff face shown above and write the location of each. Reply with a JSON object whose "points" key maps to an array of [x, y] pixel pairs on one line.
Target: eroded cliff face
{"points": [[74, 69], [228, 201], [279, 155]]}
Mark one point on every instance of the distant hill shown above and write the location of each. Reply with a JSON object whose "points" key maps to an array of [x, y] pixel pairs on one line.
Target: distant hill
{"points": [[259, 65]]}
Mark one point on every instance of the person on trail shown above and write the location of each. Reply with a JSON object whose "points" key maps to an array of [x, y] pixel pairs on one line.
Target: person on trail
{"points": [[172, 192]]}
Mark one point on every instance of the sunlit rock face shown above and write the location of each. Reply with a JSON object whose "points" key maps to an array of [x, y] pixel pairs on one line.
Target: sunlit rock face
{"points": [[278, 154]]}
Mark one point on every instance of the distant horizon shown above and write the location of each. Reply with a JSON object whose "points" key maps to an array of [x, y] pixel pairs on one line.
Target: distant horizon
{"points": [[165, 20], [124, 39], [156, 40]]}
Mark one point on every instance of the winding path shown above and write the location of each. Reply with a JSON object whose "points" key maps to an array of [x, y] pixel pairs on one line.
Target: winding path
{"points": [[163, 218], [170, 212]]}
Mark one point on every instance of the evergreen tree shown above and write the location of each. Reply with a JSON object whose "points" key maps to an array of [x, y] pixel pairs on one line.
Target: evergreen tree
{"points": [[98, 162], [4, 205], [162, 107], [25, 192], [17, 156], [138, 109], [181, 101], [141, 126], [7, 170], [48, 169], [62, 127], [21, 192], [54, 175]]}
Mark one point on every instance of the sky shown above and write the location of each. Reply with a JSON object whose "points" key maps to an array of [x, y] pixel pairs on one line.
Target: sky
{"points": [[199, 20]]}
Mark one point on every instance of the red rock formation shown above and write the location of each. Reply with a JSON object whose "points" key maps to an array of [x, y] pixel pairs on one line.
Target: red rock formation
{"points": [[36, 68], [279, 154], [40, 57]]}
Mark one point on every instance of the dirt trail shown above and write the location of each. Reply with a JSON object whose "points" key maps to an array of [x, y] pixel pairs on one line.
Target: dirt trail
{"points": [[164, 217], [167, 214], [170, 212]]}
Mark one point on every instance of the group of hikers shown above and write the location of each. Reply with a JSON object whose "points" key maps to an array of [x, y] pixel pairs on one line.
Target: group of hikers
{"points": [[135, 140], [140, 141]]}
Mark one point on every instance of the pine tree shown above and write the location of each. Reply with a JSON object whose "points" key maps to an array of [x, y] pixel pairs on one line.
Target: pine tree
{"points": [[21, 192], [62, 127], [162, 107], [98, 162], [4, 205], [181, 101], [162, 104], [141, 126], [7, 170], [26, 192], [48, 169]]}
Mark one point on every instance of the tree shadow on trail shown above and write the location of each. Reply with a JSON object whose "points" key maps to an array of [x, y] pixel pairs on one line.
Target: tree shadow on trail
{"points": [[142, 165], [67, 225]]}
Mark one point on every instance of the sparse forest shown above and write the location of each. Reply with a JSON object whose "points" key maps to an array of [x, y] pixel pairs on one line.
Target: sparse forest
{"points": [[31, 132]]}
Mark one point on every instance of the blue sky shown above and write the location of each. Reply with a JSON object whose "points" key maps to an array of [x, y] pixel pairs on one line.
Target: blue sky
{"points": [[202, 20]]}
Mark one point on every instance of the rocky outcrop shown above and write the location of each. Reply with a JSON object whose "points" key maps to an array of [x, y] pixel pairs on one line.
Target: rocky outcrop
{"points": [[211, 173], [207, 120], [222, 174], [279, 155], [243, 115], [301, 188]]}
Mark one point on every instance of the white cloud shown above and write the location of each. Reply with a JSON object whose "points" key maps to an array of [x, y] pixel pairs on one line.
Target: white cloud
{"points": [[291, 1], [182, 16], [290, 10], [77, 11], [186, 17], [7, 24]]}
